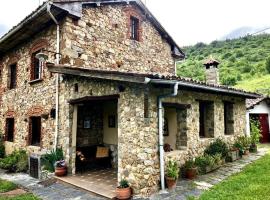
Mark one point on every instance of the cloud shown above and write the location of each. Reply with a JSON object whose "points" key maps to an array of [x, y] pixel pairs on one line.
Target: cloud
{"points": [[3, 29]]}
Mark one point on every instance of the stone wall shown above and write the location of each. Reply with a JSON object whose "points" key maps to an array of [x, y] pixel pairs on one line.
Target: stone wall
{"points": [[195, 144], [100, 40], [138, 157], [93, 135], [29, 98]]}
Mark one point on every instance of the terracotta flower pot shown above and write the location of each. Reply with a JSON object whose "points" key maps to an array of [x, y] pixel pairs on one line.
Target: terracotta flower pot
{"points": [[191, 173], [123, 193], [171, 182], [60, 171]]}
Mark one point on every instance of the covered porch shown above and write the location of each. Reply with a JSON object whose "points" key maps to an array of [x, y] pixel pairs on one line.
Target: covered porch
{"points": [[94, 160]]}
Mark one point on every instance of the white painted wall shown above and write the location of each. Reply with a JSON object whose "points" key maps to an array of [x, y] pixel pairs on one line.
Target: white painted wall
{"points": [[261, 108], [170, 114], [110, 135]]}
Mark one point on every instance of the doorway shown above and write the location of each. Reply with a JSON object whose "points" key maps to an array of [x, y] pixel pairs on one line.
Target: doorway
{"points": [[263, 120]]}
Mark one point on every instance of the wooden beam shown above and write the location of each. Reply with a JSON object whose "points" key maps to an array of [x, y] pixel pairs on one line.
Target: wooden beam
{"points": [[94, 98], [176, 105], [98, 74]]}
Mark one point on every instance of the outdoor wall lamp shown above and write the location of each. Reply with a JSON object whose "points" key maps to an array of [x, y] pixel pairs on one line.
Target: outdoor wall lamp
{"points": [[44, 57]]}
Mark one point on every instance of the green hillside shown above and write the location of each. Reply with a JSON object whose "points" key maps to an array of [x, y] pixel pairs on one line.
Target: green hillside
{"points": [[243, 62]]}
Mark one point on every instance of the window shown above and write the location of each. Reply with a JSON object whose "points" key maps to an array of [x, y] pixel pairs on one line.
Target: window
{"points": [[35, 131], [134, 28], [12, 76], [206, 109], [10, 129], [36, 67], [228, 118]]}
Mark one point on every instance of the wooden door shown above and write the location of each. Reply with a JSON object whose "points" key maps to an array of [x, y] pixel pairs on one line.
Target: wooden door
{"points": [[264, 128]]}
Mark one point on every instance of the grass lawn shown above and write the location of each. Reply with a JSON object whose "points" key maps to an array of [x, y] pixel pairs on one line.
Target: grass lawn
{"points": [[20, 197], [253, 183], [6, 186]]}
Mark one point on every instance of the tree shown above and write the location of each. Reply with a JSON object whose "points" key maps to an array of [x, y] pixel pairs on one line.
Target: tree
{"points": [[267, 65]]}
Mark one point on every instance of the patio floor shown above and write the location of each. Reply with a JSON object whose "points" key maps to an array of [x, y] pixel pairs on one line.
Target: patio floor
{"points": [[100, 182]]}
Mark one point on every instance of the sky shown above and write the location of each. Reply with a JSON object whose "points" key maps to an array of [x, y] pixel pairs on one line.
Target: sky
{"points": [[187, 21]]}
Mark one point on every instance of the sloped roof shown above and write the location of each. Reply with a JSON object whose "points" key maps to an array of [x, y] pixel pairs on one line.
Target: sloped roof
{"points": [[185, 83], [32, 24], [250, 103], [39, 19]]}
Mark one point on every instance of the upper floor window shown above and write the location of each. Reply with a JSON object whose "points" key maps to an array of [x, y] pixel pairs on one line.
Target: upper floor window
{"points": [[9, 129], [134, 28], [36, 67], [12, 82]]}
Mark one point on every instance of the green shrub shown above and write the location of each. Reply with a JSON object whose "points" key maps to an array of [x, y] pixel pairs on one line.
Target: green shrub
{"points": [[15, 162], [6, 186], [172, 170], [267, 65], [217, 147], [203, 162], [189, 164], [242, 143], [49, 159], [255, 132]]}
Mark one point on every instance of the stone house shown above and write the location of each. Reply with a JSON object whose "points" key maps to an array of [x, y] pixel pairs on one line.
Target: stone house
{"points": [[106, 77]]}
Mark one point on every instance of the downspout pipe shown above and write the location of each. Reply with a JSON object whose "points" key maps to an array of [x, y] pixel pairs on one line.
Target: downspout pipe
{"points": [[160, 132], [57, 75]]}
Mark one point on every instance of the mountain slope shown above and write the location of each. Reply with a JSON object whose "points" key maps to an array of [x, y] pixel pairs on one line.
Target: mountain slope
{"points": [[241, 60]]}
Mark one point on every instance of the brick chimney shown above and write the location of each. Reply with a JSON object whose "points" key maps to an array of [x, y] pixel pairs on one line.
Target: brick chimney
{"points": [[211, 71]]}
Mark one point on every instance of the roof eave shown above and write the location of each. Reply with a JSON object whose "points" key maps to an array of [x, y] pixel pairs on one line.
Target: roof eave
{"points": [[207, 88], [144, 79]]}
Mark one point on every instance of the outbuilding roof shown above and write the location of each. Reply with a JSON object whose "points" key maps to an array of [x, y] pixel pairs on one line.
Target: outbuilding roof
{"points": [[250, 103]]}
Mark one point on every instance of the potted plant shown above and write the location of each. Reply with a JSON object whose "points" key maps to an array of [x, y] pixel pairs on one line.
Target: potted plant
{"points": [[60, 168], [53, 161], [172, 174], [123, 191], [190, 169]]}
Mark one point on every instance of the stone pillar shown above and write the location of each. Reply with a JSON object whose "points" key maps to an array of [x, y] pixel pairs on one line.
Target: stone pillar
{"points": [[74, 139], [181, 137]]}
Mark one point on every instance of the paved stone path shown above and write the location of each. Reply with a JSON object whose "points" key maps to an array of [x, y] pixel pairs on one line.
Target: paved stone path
{"points": [[194, 188], [55, 191], [184, 189]]}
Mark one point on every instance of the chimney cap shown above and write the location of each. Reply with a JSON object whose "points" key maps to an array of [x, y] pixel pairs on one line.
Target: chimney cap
{"points": [[211, 61]]}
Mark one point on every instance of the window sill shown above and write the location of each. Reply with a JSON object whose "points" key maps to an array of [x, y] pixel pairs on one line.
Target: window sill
{"points": [[228, 135], [9, 141], [35, 81], [34, 146], [174, 153], [207, 138]]}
